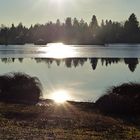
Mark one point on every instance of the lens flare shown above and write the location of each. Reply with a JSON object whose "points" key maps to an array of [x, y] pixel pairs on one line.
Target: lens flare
{"points": [[60, 96]]}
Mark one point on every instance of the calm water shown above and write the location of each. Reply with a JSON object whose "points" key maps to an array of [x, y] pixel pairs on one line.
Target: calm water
{"points": [[60, 50], [85, 72]]}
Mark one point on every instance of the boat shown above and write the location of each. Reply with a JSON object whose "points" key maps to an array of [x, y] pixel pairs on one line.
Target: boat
{"points": [[40, 42]]}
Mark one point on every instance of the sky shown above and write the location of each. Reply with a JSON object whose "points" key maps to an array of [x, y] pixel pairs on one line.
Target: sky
{"points": [[41, 11]]}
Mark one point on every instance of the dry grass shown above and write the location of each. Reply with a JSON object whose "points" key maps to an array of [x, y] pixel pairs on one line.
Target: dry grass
{"points": [[69, 121]]}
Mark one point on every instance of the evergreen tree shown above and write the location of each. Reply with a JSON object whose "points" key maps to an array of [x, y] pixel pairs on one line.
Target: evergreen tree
{"points": [[131, 30]]}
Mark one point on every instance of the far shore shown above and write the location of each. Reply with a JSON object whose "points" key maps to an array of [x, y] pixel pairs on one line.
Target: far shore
{"points": [[81, 44]]}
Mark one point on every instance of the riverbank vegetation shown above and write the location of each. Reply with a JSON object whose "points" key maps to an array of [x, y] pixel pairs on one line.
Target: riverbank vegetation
{"points": [[123, 99], [113, 116], [74, 31], [20, 88]]}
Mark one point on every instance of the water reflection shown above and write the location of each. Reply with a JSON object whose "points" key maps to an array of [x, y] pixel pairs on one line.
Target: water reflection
{"points": [[84, 79], [132, 63], [58, 50], [76, 62]]}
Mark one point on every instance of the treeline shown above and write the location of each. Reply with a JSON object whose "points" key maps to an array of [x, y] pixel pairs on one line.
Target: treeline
{"points": [[131, 63], [73, 31]]}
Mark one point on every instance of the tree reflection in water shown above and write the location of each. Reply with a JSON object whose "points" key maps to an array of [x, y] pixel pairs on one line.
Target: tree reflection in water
{"points": [[89, 85], [76, 62]]}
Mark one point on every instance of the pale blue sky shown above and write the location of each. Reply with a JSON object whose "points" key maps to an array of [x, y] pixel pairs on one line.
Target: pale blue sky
{"points": [[41, 11]]}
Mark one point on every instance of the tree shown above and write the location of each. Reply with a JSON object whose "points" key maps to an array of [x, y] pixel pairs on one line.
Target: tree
{"points": [[131, 29], [75, 23], [4, 36], [94, 28], [68, 22], [74, 31], [94, 23]]}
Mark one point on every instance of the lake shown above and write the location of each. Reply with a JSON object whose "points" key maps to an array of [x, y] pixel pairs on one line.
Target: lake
{"points": [[83, 72]]}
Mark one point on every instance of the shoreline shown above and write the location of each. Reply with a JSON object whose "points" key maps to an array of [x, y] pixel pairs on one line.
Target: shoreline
{"points": [[100, 44]]}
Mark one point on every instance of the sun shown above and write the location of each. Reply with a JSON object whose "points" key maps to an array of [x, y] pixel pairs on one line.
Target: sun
{"points": [[60, 96], [58, 2]]}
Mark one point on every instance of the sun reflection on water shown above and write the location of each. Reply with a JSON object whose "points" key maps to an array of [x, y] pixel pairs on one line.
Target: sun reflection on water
{"points": [[58, 50]]}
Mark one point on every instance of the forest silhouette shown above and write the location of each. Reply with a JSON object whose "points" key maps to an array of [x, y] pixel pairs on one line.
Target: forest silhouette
{"points": [[73, 31]]}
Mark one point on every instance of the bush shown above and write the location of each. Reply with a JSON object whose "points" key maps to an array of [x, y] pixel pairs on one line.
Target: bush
{"points": [[123, 99], [20, 88]]}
